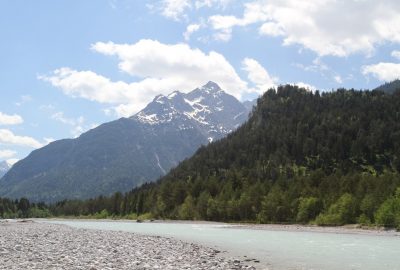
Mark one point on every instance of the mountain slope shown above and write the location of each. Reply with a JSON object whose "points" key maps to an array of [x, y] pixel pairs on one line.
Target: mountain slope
{"points": [[4, 167], [390, 87], [122, 154], [249, 104], [332, 159]]}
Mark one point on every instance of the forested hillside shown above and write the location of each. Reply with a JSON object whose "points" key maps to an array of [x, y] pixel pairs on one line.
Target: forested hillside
{"points": [[333, 158], [329, 158]]}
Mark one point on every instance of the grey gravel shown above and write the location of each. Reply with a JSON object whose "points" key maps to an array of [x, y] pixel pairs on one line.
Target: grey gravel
{"points": [[32, 245]]}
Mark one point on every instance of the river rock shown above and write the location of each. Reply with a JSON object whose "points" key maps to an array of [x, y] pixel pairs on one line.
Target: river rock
{"points": [[36, 245]]}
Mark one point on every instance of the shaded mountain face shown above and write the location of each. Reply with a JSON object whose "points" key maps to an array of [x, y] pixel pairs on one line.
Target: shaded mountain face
{"points": [[4, 167], [390, 87], [249, 104], [128, 152]]}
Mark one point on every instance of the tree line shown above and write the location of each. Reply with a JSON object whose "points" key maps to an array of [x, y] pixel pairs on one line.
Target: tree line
{"points": [[328, 158]]}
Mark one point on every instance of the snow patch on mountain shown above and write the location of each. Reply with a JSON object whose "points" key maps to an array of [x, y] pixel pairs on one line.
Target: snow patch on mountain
{"points": [[207, 108], [158, 163]]}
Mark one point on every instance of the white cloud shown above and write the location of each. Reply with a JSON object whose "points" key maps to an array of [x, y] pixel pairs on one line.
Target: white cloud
{"points": [[12, 161], [59, 116], [162, 67], [338, 79], [396, 54], [272, 29], [8, 137], [48, 140], [174, 9], [258, 75], [253, 13], [94, 87], [305, 85], [24, 99], [47, 107], [7, 154], [125, 110], [223, 35], [78, 124], [316, 66], [327, 27], [263, 81], [6, 119], [177, 9], [212, 3], [383, 71], [178, 65], [190, 29]]}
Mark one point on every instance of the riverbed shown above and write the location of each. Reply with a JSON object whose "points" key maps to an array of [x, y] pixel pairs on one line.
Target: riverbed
{"points": [[275, 247], [42, 245]]}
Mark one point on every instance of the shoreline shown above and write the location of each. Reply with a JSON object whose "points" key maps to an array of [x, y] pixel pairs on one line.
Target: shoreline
{"points": [[345, 229], [38, 245]]}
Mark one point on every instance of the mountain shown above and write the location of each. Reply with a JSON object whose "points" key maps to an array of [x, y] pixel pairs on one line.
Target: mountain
{"points": [[125, 153], [330, 158], [249, 104], [390, 87], [4, 167]]}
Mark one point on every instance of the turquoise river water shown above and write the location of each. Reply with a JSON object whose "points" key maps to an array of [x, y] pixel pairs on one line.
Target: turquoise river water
{"points": [[276, 249]]}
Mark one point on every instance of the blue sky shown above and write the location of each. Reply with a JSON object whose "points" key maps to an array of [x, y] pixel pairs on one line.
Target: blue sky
{"points": [[68, 66]]}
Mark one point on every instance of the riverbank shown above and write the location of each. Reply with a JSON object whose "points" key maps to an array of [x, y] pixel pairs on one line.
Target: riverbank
{"points": [[34, 245], [345, 229]]}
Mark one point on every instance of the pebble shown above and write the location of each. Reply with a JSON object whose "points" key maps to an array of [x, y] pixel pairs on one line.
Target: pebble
{"points": [[34, 245]]}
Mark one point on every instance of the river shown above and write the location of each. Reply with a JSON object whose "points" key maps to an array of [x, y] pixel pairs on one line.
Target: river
{"points": [[277, 249]]}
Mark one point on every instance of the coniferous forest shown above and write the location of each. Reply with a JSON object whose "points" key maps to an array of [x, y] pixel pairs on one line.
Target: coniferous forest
{"points": [[329, 158]]}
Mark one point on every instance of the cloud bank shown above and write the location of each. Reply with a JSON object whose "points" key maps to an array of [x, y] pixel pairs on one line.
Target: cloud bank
{"points": [[327, 27], [162, 68]]}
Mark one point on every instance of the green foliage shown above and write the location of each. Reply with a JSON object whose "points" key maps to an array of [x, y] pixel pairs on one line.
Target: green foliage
{"points": [[368, 207], [188, 210], [274, 207], [132, 216], [23, 209], [388, 213], [309, 208], [101, 215], [364, 220], [145, 216], [37, 212], [340, 213]]}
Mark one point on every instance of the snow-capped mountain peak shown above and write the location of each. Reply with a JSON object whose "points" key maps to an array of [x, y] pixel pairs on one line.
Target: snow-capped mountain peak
{"points": [[211, 87], [207, 108]]}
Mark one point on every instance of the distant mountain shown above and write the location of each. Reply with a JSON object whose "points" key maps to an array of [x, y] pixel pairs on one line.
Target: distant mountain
{"points": [[249, 104], [390, 87], [125, 153], [4, 167]]}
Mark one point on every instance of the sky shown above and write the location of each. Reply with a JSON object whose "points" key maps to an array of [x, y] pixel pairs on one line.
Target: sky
{"points": [[67, 66]]}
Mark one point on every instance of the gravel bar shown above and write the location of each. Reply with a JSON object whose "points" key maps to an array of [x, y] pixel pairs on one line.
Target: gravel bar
{"points": [[32, 245]]}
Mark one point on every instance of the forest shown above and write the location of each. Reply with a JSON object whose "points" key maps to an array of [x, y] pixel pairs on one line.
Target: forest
{"points": [[328, 158]]}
